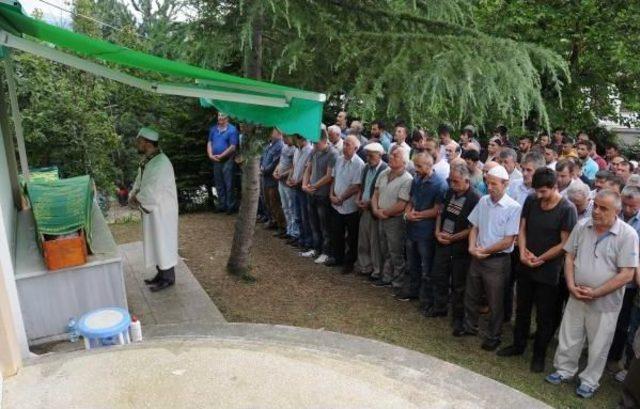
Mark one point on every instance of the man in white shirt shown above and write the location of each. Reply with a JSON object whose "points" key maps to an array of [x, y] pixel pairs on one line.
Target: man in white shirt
{"points": [[509, 160], [335, 137], [345, 188], [440, 166], [400, 137]]}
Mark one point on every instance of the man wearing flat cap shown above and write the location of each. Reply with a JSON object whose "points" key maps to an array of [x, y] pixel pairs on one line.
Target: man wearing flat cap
{"points": [[154, 194]]}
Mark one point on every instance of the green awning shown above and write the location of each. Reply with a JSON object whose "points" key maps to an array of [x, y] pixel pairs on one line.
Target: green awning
{"points": [[259, 102]]}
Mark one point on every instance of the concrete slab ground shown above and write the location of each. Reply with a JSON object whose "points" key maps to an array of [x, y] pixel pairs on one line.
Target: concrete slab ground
{"points": [[185, 305], [255, 366]]}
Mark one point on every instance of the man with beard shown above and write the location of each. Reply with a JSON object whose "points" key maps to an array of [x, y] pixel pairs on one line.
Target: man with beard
{"points": [[154, 194]]}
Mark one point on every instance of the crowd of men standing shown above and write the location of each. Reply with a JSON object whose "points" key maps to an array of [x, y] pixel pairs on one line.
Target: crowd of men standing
{"points": [[469, 231]]}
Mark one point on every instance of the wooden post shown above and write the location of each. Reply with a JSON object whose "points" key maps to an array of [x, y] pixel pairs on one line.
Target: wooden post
{"points": [[15, 113]]}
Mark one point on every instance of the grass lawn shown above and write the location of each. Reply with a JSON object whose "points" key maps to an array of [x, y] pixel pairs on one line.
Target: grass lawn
{"points": [[294, 291]]}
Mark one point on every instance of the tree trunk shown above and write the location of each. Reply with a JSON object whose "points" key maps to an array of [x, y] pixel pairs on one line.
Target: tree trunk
{"points": [[240, 258]]}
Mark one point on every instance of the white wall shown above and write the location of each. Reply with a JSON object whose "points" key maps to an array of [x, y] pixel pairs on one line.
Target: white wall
{"points": [[9, 214]]}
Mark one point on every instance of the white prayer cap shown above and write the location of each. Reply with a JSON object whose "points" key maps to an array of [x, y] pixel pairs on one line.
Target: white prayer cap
{"points": [[499, 171], [222, 115], [149, 134], [374, 147]]}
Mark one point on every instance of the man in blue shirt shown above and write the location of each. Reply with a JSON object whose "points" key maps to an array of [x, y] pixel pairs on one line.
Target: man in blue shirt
{"points": [[221, 148], [268, 163], [589, 166], [427, 193]]}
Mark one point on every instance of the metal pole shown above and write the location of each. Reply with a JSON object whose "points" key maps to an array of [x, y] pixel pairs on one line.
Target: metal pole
{"points": [[15, 113]]}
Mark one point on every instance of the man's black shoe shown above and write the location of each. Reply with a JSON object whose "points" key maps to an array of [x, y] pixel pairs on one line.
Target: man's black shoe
{"points": [[490, 344], [216, 210], [380, 283], [537, 365], [434, 313], [292, 241], [154, 280], [280, 234], [511, 350], [230, 212], [461, 332], [160, 286], [331, 262]]}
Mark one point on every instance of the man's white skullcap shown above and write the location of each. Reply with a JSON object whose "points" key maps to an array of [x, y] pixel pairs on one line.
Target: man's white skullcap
{"points": [[222, 115], [499, 171], [374, 147], [148, 133]]}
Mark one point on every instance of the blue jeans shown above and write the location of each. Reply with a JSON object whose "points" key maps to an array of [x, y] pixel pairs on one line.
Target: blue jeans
{"points": [[223, 174], [301, 211], [418, 280], [287, 199]]}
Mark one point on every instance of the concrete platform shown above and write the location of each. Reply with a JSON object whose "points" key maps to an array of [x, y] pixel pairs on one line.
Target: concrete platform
{"points": [[185, 307], [255, 366]]}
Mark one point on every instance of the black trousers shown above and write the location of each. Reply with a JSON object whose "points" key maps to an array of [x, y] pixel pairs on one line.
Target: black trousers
{"points": [[561, 301], [168, 275], [545, 298], [344, 236], [511, 281], [630, 390], [450, 275], [620, 336]]}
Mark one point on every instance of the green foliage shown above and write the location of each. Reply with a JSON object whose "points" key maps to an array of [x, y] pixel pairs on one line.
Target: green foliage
{"points": [[600, 41]]}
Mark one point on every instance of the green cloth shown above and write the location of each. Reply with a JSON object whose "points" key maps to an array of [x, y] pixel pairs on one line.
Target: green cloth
{"points": [[47, 174], [62, 206], [303, 116]]}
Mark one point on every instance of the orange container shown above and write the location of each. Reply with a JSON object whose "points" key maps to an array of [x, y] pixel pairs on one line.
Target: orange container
{"points": [[65, 252]]}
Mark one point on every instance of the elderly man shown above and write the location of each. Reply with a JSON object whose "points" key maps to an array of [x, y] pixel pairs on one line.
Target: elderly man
{"points": [[427, 193], [400, 136], [545, 224], [580, 196], [391, 195], [335, 138], [451, 258], [602, 255], [154, 194], [369, 254], [508, 158], [452, 151], [268, 164], [221, 148], [345, 217], [301, 157], [495, 225], [317, 184]]}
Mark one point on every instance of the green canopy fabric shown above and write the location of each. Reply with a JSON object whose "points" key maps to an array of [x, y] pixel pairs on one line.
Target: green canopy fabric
{"points": [[62, 206], [302, 115]]}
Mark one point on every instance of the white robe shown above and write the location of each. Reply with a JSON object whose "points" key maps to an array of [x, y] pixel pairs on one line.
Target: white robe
{"points": [[156, 192]]}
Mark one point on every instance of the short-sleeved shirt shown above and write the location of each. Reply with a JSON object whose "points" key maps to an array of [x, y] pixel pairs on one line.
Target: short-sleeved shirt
{"points": [[454, 217], [391, 191], [347, 172], [495, 221], [300, 159], [598, 259], [425, 193], [590, 168], [543, 228], [320, 162], [286, 158], [221, 139]]}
